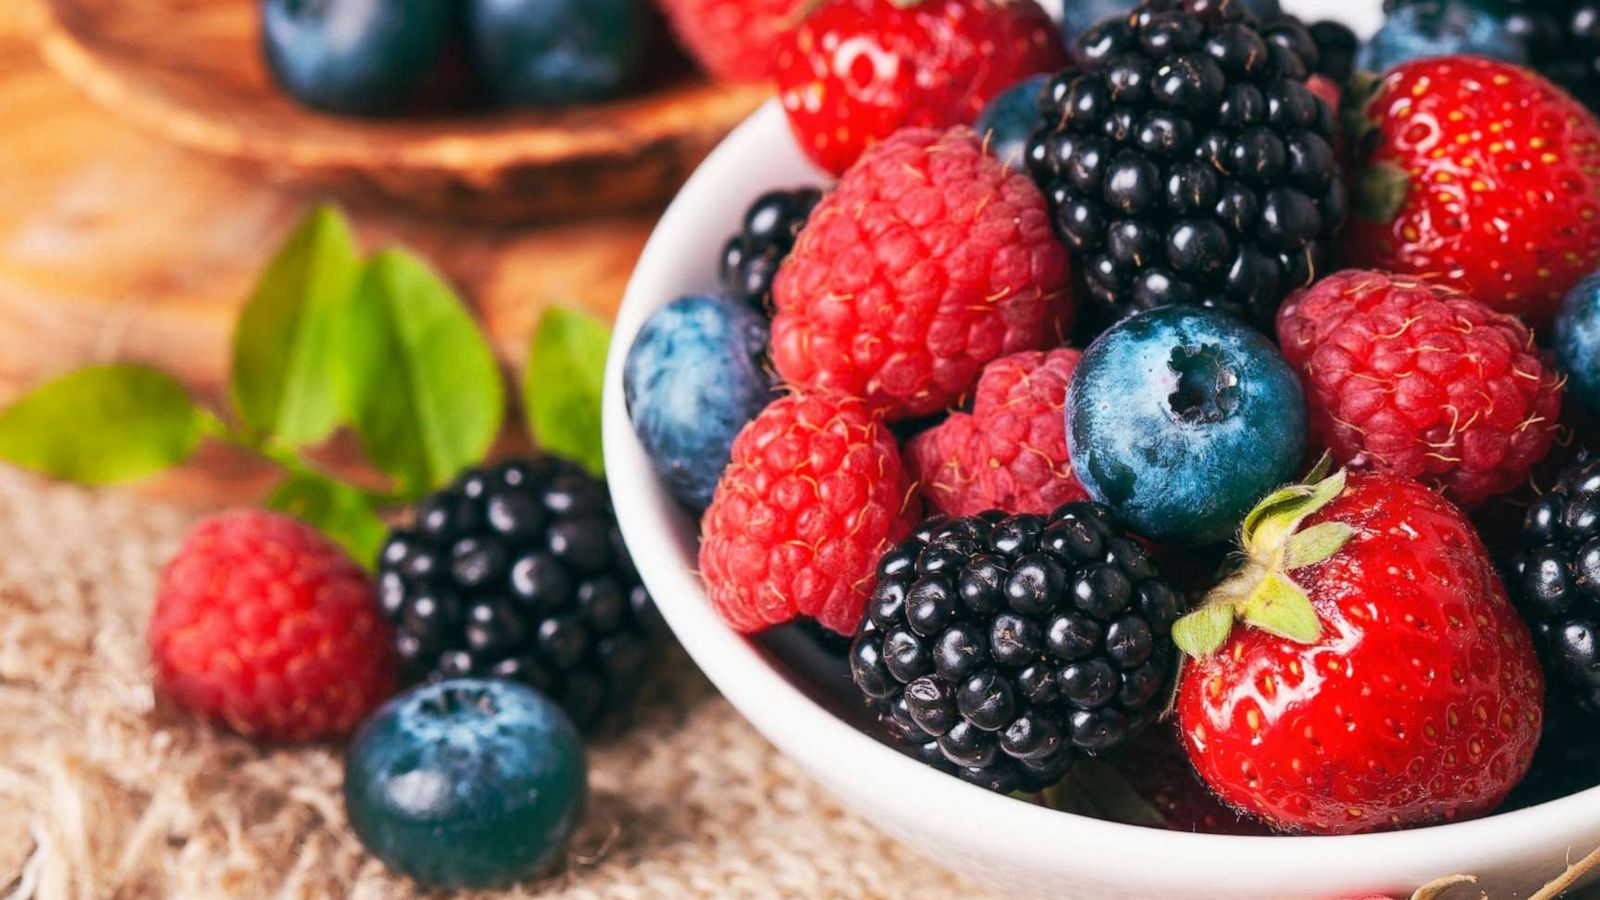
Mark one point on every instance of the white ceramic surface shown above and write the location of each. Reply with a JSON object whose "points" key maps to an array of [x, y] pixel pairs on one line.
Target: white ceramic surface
{"points": [[995, 839]]}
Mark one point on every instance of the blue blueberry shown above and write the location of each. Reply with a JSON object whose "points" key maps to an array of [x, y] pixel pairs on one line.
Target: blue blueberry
{"points": [[360, 57], [467, 783], [1183, 418], [695, 375], [1576, 340], [551, 52], [1431, 28], [1009, 120]]}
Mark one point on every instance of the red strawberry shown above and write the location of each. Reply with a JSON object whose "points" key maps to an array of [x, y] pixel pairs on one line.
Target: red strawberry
{"points": [[733, 40], [1409, 378], [1386, 681], [1481, 175], [266, 625], [856, 71], [929, 260], [813, 496], [1010, 452]]}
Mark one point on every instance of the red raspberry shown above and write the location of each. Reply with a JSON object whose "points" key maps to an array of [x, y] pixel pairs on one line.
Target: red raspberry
{"points": [[733, 40], [1408, 378], [266, 625], [927, 261], [1010, 452], [855, 71], [813, 496]]}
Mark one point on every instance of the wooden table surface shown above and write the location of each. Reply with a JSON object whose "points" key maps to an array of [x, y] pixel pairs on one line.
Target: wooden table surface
{"points": [[117, 246]]}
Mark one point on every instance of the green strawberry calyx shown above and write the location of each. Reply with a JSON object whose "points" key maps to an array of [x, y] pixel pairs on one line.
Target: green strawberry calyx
{"points": [[1261, 592], [1377, 189]]}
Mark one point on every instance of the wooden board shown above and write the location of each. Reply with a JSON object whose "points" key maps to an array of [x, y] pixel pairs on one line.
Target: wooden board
{"points": [[192, 72], [115, 245]]}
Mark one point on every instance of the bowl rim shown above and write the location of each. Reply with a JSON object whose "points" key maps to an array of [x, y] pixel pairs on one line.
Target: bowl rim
{"points": [[786, 716]]}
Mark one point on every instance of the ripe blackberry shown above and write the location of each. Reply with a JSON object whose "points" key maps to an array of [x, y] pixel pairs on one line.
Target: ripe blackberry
{"points": [[518, 571], [1555, 578], [999, 647], [1187, 161], [751, 258], [1336, 49]]}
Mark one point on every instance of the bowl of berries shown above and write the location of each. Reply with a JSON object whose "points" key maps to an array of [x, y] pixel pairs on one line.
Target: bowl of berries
{"points": [[1159, 489]]}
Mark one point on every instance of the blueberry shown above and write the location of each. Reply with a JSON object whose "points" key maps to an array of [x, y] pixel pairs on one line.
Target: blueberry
{"points": [[551, 52], [466, 783], [1009, 120], [695, 375], [1430, 28], [1576, 341], [1181, 419], [360, 57]]}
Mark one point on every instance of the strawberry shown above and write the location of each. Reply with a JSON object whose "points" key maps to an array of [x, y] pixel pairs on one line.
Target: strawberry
{"points": [[732, 40], [856, 71], [1385, 680], [1480, 175]]}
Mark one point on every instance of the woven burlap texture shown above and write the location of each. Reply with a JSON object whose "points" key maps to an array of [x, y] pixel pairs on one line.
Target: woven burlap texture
{"points": [[107, 791]]}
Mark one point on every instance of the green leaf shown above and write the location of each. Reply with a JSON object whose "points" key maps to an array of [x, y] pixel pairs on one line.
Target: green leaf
{"points": [[425, 394], [102, 425], [1278, 606], [1095, 788], [287, 345], [561, 391], [343, 513], [1315, 544], [1202, 632]]}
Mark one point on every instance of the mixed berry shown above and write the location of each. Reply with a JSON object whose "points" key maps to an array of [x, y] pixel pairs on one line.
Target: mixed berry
{"points": [[1205, 381], [1114, 410]]}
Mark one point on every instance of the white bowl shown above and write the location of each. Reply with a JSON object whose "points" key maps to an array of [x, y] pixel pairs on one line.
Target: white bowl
{"points": [[802, 705]]}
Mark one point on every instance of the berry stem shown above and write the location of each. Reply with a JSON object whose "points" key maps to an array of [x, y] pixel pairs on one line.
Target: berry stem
{"points": [[1570, 877], [1261, 592]]}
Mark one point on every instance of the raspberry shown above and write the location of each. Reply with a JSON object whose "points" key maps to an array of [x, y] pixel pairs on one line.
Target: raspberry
{"points": [[1408, 378], [929, 260], [733, 40], [266, 625], [812, 497], [1010, 452]]}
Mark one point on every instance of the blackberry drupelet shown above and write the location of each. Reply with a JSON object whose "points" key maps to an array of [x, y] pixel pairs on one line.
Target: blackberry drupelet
{"points": [[751, 258], [1187, 162], [518, 571], [999, 647], [1555, 578]]}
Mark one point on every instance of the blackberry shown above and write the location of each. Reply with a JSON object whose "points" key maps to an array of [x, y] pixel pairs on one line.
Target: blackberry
{"points": [[1187, 162], [518, 571], [1555, 578], [1336, 50], [751, 258], [998, 647]]}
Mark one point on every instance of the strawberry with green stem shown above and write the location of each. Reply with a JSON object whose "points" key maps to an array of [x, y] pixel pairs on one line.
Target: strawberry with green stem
{"points": [[1362, 668]]}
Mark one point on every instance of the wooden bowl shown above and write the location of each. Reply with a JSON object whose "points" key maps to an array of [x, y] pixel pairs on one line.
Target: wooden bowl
{"points": [[192, 71]]}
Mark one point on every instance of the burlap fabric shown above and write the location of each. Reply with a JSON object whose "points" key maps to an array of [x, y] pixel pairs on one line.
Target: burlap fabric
{"points": [[106, 791]]}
